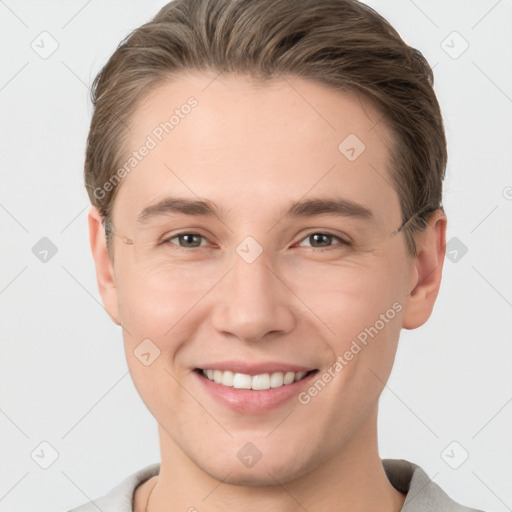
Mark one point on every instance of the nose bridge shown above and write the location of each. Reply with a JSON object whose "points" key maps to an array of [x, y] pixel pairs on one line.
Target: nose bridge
{"points": [[251, 278], [251, 303]]}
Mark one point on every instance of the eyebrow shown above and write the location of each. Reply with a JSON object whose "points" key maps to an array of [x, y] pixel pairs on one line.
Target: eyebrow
{"points": [[306, 208]]}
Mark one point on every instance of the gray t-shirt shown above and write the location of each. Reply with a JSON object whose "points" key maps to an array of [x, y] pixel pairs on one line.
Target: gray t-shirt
{"points": [[422, 495]]}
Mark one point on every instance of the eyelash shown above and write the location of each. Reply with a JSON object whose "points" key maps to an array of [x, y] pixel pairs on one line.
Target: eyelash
{"points": [[342, 243]]}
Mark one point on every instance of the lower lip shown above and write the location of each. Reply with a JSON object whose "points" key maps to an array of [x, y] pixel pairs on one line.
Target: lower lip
{"points": [[253, 401]]}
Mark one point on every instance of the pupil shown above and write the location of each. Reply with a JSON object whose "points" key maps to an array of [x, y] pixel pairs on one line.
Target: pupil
{"points": [[316, 235], [189, 238]]}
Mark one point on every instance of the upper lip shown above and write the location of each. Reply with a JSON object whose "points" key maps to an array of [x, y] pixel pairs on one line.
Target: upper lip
{"points": [[255, 368]]}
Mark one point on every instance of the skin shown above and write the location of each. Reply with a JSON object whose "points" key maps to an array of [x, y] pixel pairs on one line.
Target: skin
{"points": [[253, 148]]}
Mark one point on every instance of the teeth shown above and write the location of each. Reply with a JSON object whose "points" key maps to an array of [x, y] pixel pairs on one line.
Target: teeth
{"points": [[256, 382], [276, 380], [227, 378]]}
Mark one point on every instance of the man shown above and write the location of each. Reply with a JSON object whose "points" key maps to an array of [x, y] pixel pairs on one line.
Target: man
{"points": [[266, 181]]}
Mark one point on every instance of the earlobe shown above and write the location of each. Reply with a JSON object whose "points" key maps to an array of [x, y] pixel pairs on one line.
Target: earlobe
{"points": [[428, 267], [105, 276]]}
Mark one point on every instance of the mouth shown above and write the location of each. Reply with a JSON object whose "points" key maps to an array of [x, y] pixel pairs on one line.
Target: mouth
{"points": [[260, 382]]}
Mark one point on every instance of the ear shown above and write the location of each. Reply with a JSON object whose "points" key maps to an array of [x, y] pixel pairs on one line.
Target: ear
{"points": [[105, 276], [427, 272]]}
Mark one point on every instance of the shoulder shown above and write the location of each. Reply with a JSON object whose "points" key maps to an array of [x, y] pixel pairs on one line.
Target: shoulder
{"points": [[422, 494], [120, 498]]}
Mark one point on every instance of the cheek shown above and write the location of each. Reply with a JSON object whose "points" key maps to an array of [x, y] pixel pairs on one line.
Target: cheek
{"points": [[159, 309], [150, 309], [363, 317], [352, 300], [153, 298], [366, 325]]}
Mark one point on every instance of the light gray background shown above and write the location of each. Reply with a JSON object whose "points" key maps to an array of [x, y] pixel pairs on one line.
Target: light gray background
{"points": [[64, 378]]}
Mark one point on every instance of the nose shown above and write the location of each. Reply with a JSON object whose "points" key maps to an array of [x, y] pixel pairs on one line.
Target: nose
{"points": [[252, 301]]}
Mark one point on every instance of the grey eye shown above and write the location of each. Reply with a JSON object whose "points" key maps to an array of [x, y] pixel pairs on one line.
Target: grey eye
{"points": [[322, 240], [187, 240]]}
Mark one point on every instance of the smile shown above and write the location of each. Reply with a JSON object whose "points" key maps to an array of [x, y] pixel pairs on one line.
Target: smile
{"points": [[255, 382]]}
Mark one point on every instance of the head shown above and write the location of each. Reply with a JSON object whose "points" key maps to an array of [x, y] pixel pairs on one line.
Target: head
{"points": [[248, 108]]}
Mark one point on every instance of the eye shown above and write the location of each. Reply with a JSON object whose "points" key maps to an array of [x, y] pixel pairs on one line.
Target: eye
{"points": [[319, 237], [190, 240]]}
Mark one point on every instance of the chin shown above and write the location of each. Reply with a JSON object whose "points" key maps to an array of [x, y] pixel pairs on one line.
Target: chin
{"points": [[254, 477], [267, 472]]}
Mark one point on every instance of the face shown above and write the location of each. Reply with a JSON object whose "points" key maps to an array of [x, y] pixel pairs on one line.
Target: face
{"points": [[245, 283]]}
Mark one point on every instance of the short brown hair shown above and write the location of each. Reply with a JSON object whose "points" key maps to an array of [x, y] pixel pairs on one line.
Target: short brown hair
{"points": [[342, 44]]}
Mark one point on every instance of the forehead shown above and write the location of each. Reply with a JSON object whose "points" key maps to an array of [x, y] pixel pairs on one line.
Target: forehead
{"points": [[250, 145]]}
